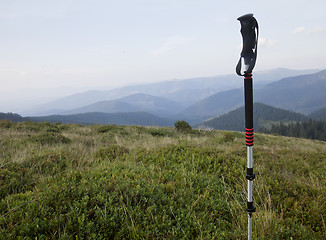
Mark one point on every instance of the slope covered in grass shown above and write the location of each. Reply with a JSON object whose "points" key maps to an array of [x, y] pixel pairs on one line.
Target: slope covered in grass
{"points": [[111, 182]]}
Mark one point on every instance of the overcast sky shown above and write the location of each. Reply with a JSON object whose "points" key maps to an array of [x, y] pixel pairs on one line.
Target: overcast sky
{"points": [[90, 43]]}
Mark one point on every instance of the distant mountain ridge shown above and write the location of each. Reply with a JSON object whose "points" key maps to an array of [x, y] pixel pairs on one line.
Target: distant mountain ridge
{"points": [[131, 118], [320, 114], [114, 106], [133, 103], [264, 115], [152, 104], [304, 94], [214, 105], [184, 92]]}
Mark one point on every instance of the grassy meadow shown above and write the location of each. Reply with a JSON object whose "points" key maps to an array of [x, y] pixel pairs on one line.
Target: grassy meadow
{"points": [[129, 182]]}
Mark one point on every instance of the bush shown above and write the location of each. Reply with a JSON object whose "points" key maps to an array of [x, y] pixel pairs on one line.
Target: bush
{"points": [[109, 128], [15, 179], [111, 152], [161, 132], [228, 137], [50, 138], [182, 126], [4, 123]]}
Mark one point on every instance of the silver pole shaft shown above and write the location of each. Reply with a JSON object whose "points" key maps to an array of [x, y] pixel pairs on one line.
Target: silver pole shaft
{"points": [[249, 226], [249, 156], [249, 165]]}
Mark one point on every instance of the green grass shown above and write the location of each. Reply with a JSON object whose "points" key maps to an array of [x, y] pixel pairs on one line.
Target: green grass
{"points": [[130, 182]]}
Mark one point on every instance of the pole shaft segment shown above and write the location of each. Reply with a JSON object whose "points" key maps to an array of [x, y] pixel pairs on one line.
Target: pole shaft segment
{"points": [[249, 226], [249, 142], [249, 166], [250, 206], [248, 108]]}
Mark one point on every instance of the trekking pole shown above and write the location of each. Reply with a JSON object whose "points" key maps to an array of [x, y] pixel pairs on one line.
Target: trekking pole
{"points": [[249, 31]]}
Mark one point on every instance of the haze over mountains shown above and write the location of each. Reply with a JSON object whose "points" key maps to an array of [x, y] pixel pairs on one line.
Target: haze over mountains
{"points": [[304, 94], [133, 103], [185, 92], [193, 100]]}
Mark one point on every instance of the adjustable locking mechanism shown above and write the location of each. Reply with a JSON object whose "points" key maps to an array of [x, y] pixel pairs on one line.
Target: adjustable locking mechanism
{"points": [[250, 174], [250, 207]]}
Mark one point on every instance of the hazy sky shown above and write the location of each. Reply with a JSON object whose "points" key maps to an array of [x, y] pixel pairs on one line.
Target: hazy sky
{"points": [[89, 43]]}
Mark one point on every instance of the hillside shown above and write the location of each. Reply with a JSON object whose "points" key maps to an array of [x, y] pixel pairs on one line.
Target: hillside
{"points": [[132, 103], [214, 105], [130, 118], [152, 104], [71, 102], [111, 182], [104, 107], [264, 117], [303, 93], [320, 114], [312, 129]]}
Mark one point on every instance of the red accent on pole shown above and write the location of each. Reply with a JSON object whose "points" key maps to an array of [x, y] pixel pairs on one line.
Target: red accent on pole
{"points": [[249, 136], [248, 76]]}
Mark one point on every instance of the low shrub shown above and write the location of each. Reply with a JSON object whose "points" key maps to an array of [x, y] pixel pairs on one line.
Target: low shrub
{"points": [[161, 132], [4, 123], [47, 164], [111, 152], [49, 138], [15, 179], [120, 202], [31, 126], [228, 137], [182, 126], [108, 128]]}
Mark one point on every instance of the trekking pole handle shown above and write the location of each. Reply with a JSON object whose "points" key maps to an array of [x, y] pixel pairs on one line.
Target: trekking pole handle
{"points": [[249, 109], [249, 32]]}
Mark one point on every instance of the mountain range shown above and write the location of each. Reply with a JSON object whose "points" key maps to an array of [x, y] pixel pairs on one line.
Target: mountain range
{"points": [[138, 102], [183, 93], [264, 118], [304, 94], [131, 118], [170, 100]]}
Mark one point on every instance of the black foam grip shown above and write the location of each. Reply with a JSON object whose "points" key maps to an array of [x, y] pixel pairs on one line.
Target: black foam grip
{"points": [[248, 101], [249, 109], [248, 55]]}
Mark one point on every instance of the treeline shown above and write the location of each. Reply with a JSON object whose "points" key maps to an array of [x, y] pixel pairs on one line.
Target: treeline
{"points": [[14, 117], [312, 129], [262, 113], [129, 118]]}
